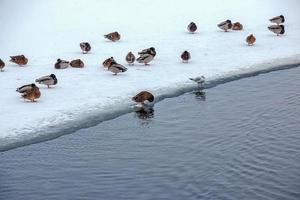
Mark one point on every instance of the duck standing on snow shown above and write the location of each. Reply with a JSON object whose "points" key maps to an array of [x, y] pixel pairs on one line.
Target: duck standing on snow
{"points": [[237, 26], [146, 55], [77, 63], [114, 36], [130, 58], [192, 27], [108, 62], [143, 96], [225, 25], [2, 65], [30, 92], [47, 80], [277, 29], [116, 68], [185, 56], [61, 64], [250, 39], [19, 59], [85, 47], [199, 80], [278, 20]]}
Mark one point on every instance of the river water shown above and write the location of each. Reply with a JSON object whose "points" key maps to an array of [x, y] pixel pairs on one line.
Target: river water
{"points": [[239, 140]]}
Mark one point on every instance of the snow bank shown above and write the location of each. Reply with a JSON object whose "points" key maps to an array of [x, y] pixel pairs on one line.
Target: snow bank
{"points": [[47, 30]]}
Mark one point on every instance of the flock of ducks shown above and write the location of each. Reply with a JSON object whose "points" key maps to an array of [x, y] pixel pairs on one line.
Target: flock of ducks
{"points": [[31, 92]]}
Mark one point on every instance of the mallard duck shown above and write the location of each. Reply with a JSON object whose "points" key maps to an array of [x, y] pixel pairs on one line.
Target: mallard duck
{"points": [[143, 96], [192, 27], [108, 62], [47, 80], [77, 63], [116, 68], [85, 47], [19, 59], [130, 58], [25, 88], [114, 36], [237, 26], [30, 92], [278, 20], [61, 64], [250, 39], [277, 29], [146, 55], [2, 65], [185, 56], [225, 25], [199, 80], [150, 50]]}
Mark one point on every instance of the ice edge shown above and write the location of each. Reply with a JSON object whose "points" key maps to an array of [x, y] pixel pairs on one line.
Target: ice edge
{"points": [[97, 115]]}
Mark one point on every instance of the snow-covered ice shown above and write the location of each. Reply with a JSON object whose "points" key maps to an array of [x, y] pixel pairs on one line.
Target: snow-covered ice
{"points": [[46, 30]]}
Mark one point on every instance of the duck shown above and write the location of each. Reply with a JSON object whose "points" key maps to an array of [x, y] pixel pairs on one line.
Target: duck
{"points": [[150, 50], [278, 20], [199, 80], [192, 27], [277, 29], [130, 58], [237, 26], [250, 39], [143, 96], [19, 60], [185, 56], [77, 63], [225, 25], [108, 62], [25, 88], [116, 68], [30, 92], [146, 55], [61, 64], [2, 65], [85, 47], [47, 80], [114, 36]]}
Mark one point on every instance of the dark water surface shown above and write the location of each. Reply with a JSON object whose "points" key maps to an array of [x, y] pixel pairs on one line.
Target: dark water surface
{"points": [[240, 140]]}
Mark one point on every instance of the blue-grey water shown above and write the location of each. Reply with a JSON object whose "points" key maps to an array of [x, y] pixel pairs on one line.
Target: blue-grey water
{"points": [[239, 140]]}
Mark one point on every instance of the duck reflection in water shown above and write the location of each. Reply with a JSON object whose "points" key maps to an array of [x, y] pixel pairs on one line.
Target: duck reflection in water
{"points": [[200, 94], [145, 112]]}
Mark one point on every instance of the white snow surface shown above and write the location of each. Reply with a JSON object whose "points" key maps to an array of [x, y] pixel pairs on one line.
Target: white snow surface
{"points": [[46, 30]]}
